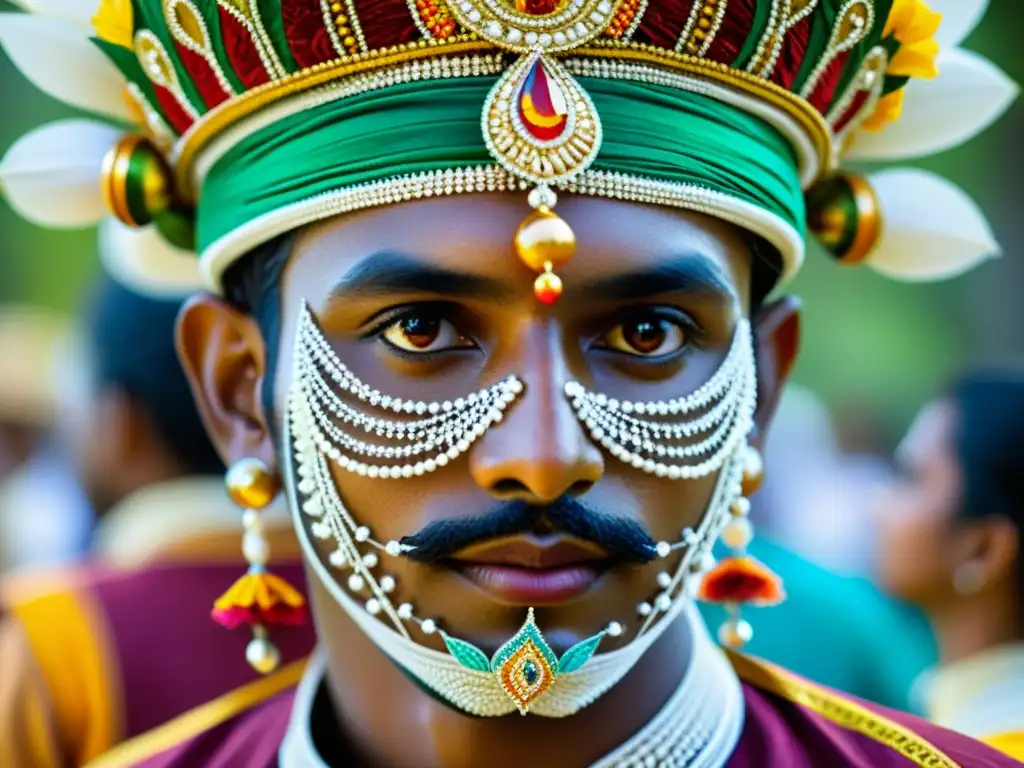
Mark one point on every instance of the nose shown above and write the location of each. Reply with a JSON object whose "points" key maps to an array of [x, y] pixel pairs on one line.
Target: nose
{"points": [[539, 452]]}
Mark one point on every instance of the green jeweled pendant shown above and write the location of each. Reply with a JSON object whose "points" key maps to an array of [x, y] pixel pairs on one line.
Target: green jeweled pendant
{"points": [[526, 666]]}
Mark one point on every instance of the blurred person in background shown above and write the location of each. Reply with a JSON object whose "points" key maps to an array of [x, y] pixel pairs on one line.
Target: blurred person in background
{"points": [[952, 543], [28, 344], [810, 478], [43, 517], [851, 636], [69, 642]]}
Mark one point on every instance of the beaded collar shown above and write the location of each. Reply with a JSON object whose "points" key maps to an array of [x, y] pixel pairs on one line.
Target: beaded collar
{"points": [[698, 727]]}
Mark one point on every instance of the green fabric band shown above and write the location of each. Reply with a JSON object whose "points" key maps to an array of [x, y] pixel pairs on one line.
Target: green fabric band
{"points": [[650, 131]]}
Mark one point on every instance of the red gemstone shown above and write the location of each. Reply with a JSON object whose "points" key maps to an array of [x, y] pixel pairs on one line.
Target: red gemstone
{"points": [[741, 580], [542, 105], [537, 7]]}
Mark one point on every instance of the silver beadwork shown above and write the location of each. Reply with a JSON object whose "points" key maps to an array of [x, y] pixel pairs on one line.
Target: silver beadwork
{"points": [[687, 437]]}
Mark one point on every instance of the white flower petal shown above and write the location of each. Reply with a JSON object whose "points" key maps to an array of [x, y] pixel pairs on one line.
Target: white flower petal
{"points": [[77, 12], [52, 175], [61, 60], [931, 229], [142, 260], [959, 18], [969, 94]]}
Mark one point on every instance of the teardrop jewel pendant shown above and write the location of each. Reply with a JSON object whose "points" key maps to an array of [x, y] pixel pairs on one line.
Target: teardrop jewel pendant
{"points": [[542, 126]]}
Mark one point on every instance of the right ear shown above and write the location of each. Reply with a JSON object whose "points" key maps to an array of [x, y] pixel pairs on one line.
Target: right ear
{"points": [[222, 352]]}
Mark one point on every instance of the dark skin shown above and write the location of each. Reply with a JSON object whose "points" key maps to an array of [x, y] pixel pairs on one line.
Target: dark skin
{"points": [[650, 308]]}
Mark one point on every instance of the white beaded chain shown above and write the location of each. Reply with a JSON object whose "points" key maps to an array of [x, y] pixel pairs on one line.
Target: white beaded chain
{"points": [[323, 430], [722, 412], [449, 431]]}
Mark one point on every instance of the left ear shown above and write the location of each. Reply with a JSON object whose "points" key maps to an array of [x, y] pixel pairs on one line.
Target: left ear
{"points": [[996, 548], [777, 340]]}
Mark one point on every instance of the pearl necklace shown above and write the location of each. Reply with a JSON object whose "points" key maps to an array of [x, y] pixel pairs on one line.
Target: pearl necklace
{"points": [[698, 727]]}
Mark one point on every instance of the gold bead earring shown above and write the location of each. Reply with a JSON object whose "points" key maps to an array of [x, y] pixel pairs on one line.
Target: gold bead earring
{"points": [[259, 598], [740, 579]]}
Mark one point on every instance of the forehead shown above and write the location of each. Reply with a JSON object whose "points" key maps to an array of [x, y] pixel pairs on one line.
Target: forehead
{"points": [[474, 234], [930, 436]]}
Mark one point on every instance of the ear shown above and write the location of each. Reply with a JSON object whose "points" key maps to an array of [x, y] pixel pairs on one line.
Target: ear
{"points": [[777, 339], [995, 545], [224, 357]]}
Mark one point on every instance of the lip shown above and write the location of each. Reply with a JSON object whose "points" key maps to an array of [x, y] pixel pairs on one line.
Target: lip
{"points": [[533, 551], [532, 569], [530, 586]]}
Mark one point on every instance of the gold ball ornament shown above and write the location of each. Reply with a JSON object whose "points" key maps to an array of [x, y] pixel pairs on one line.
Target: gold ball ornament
{"points": [[250, 484], [547, 287], [544, 241], [262, 655], [136, 183], [753, 471], [844, 214]]}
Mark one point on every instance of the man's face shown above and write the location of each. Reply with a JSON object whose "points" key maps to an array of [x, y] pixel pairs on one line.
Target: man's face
{"points": [[918, 550], [427, 300]]}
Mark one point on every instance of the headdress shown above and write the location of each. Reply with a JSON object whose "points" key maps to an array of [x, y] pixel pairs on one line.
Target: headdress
{"points": [[237, 120]]}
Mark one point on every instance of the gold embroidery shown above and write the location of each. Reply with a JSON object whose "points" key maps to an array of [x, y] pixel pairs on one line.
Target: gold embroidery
{"points": [[840, 711], [786, 14], [189, 29], [705, 20], [854, 23], [229, 113], [200, 719], [246, 13], [158, 67], [433, 18]]}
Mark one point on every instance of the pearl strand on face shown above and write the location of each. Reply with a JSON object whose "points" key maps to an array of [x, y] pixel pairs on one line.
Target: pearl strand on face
{"points": [[318, 498], [726, 403], [449, 431]]}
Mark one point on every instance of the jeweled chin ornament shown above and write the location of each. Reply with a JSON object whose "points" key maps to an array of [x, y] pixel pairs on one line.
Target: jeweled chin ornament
{"points": [[525, 674], [537, 121]]}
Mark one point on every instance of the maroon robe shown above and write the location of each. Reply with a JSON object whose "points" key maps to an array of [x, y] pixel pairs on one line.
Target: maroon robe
{"points": [[144, 651], [788, 723]]}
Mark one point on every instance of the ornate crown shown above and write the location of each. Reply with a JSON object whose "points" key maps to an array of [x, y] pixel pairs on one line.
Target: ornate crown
{"points": [[253, 117]]}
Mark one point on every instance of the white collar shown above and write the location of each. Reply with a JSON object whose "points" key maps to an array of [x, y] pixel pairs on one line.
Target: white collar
{"points": [[981, 695], [698, 727]]}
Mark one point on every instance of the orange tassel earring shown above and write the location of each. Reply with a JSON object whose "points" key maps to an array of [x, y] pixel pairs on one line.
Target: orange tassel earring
{"points": [[741, 580], [259, 598]]}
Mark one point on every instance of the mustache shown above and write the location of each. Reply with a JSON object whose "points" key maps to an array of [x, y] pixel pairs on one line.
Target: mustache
{"points": [[624, 539]]}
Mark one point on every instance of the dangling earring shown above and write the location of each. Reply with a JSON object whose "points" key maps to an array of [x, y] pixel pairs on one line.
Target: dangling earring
{"points": [[259, 598], [739, 579], [969, 578]]}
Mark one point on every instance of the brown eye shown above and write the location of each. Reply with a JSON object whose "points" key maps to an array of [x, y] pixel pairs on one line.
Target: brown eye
{"points": [[424, 332], [645, 336]]}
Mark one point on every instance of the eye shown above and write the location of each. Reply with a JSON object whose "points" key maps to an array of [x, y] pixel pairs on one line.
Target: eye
{"points": [[646, 335], [424, 330]]}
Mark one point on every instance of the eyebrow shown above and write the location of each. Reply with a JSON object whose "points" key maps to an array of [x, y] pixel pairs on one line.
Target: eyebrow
{"points": [[389, 272], [693, 274]]}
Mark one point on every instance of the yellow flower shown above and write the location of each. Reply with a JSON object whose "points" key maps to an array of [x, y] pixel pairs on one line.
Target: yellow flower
{"points": [[113, 22], [888, 111], [914, 25]]}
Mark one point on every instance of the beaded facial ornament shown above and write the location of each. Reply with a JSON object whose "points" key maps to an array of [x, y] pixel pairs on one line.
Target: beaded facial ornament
{"points": [[688, 437]]}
